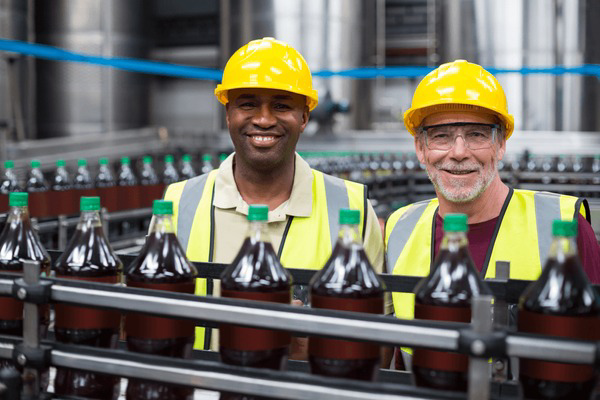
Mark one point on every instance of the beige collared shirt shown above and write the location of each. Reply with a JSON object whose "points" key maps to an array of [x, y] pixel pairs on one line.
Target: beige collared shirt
{"points": [[231, 220]]}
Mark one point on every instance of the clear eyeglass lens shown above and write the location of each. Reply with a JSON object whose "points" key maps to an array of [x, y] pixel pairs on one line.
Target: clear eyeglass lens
{"points": [[475, 136]]}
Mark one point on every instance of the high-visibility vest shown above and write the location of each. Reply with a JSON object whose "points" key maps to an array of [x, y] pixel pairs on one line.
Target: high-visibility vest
{"points": [[523, 235], [307, 242]]}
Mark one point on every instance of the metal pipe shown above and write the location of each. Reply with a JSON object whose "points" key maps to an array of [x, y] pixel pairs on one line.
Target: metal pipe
{"points": [[479, 385], [31, 329]]}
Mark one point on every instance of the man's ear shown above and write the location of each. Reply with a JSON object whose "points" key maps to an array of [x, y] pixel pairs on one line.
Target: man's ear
{"points": [[227, 114], [501, 149], [305, 117], [420, 148]]}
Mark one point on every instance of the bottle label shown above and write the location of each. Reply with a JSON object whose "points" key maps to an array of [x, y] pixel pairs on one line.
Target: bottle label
{"points": [[73, 317], [252, 339], [441, 360], [583, 327], [148, 327], [345, 349]]}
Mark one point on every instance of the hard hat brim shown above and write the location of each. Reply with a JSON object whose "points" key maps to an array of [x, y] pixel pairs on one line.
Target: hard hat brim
{"points": [[312, 96]]}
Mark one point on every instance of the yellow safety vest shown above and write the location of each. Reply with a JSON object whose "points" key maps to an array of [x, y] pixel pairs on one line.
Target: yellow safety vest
{"points": [[307, 241], [523, 235]]}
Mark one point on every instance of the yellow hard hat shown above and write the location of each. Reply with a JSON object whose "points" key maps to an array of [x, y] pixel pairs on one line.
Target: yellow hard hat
{"points": [[269, 64], [458, 86]]}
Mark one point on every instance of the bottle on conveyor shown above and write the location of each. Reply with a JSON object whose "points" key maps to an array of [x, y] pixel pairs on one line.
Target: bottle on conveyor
{"points": [[18, 242], [561, 303], [170, 174], [128, 186], [347, 282], [255, 274], [8, 184], [445, 295], [161, 265], [151, 186], [37, 187], [88, 257], [206, 164], [106, 185], [61, 194], [187, 169], [82, 182]]}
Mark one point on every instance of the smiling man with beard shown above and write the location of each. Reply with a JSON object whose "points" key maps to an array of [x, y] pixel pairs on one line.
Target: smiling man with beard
{"points": [[460, 121], [268, 96]]}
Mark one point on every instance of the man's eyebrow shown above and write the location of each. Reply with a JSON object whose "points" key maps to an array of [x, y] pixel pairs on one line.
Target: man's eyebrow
{"points": [[246, 96]]}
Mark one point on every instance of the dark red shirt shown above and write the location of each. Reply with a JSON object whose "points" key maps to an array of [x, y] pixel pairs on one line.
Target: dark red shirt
{"points": [[480, 236]]}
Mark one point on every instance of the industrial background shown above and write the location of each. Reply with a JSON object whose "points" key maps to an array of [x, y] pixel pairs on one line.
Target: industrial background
{"points": [[51, 109]]}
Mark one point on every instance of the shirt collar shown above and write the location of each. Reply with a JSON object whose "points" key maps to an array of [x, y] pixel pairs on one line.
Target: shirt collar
{"points": [[299, 204]]}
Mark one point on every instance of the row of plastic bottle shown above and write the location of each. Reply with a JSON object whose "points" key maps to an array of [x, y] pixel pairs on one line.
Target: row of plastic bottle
{"points": [[560, 303], [127, 189]]}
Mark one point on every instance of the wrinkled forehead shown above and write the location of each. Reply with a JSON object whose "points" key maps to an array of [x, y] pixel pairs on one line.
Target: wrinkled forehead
{"points": [[450, 117]]}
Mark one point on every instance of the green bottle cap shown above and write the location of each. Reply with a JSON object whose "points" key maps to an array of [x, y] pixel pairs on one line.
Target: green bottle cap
{"points": [[82, 162], [9, 164], [207, 157], [349, 216], [223, 156], [147, 160], [564, 228], [258, 212], [103, 161], [455, 223], [162, 207], [35, 164], [89, 203], [18, 199], [186, 158], [125, 160], [169, 158], [61, 163]]}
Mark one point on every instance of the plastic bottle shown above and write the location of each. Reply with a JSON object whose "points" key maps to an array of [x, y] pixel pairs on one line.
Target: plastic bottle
{"points": [[170, 174], [152, 187], [88, 257], [129, 190], [106, 185], [347, 282], [82, 182], [187, 169], [561, 303], [255, 274], [445, 295], [61, 195], [19, 241], [161, 265], [222, 157], [37, 187], [8, 184], [206, 164]]}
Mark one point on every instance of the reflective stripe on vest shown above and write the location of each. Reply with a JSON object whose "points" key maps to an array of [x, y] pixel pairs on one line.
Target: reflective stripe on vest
{"points": [[526, 225], [308, 243]]}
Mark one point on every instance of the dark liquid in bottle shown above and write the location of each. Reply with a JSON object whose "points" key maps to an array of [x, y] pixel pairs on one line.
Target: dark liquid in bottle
{"points": [[443, 297], [156, 335], [108, 197], [250, 347], [360, 290], [87, 326], [19, 241], [571, 312]]}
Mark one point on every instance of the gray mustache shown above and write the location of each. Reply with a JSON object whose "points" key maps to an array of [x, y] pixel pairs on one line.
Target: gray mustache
{"points": [[458, 167]]}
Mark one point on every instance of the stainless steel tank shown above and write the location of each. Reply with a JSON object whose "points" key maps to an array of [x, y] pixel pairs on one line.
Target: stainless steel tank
{"points": [[14, 71], [74, 99], [330, 34], [529, 33]]}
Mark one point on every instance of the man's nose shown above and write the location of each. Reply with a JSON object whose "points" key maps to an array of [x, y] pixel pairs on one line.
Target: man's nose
{"points": [[459, 150], [264, 117]]}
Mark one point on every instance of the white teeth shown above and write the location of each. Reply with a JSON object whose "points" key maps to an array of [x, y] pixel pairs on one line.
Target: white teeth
{"points": [[263, 138]]}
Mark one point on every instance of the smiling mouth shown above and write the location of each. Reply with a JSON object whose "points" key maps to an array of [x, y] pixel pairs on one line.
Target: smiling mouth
{"points": [[458, 172], [263, 140]]}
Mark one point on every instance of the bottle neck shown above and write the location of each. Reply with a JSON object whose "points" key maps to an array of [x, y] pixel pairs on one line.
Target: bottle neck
{"points": [[453, 241], [162, 224], [89, 220], [562, 247], [348, 234], [17, 213], [258, 232]]}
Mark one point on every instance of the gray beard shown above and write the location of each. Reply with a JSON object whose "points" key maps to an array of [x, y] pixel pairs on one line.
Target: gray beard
{"points": [[481, 184]]}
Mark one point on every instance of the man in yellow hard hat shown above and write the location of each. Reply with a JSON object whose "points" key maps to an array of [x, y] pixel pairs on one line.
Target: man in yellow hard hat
{"points": [[460, 121], [268, 95]]}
